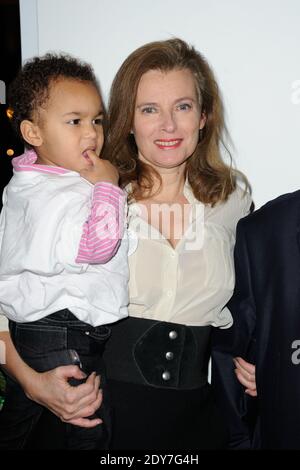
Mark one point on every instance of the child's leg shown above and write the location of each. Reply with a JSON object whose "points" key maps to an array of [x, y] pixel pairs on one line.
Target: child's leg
{"points": [[18, 417], [89, 342], [43, 345]]}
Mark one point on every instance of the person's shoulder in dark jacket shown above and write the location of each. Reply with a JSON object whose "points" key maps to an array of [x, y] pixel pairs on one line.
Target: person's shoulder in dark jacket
{"points": [[273, 213]]}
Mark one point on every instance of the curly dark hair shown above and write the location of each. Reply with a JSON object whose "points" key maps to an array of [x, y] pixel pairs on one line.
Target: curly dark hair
{"points": [[30, 89]]}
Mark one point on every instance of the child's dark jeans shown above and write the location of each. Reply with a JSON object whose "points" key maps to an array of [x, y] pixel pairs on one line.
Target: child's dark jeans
{"points": [[36, 343]]}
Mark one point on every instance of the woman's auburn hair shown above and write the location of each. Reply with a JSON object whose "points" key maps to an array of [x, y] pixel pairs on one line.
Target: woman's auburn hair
{"points": [[210, 178]]}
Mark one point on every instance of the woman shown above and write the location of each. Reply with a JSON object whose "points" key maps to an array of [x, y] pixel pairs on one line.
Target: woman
{"points": [[165, 137], [166, 123]]}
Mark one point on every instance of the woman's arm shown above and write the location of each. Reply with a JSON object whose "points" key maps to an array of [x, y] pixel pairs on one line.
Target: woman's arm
{"points": [[52, 390]]}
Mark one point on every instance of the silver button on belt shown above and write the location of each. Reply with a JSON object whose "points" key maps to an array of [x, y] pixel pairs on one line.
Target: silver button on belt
{"points": [[166, 375], [173, 334]]}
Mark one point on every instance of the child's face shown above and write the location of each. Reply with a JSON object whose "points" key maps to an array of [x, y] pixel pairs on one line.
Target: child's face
{"points": [[70, 124]]}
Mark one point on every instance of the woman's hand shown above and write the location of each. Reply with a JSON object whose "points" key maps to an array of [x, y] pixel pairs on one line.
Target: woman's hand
{"points": [[52, 390], [71, 404], [245, 373]]}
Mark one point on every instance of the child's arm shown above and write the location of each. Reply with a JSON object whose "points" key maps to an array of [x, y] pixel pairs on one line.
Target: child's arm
{"points": [[103, 230], [52, 390]]}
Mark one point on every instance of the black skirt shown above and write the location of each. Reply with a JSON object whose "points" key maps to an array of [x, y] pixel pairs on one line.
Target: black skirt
{"points": [[157, 377]]}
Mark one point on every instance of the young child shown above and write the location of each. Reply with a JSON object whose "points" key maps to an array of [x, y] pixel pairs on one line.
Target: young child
{"points": [[63, 262]]}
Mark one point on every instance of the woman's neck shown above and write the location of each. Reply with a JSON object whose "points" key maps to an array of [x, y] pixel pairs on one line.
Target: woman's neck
{"points": [[172, 184]]}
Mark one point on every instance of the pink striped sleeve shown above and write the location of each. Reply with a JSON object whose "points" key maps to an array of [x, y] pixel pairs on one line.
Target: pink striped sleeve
{"points": [[103, 230]]}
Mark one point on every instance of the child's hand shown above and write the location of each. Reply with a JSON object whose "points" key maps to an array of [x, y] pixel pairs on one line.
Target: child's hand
{"points": [[245, 372], [100, 170]]}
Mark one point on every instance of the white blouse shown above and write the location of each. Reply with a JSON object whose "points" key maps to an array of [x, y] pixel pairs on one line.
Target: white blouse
{"points": [[191, 283]]}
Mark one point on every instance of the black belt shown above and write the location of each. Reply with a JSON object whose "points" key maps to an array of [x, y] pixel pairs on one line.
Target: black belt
{"points": [[156, 353]]}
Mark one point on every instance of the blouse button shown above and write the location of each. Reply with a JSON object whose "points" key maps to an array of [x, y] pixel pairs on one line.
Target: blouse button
{"points": [[173, 334], [169, 355], [166, 375]]}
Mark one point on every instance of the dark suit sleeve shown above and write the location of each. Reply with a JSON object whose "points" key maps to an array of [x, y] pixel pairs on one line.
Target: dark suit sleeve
{"points": [[238, 340]]}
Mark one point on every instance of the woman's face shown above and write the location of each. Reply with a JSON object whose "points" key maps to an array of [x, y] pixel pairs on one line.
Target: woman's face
{"points": [[167, 118]]}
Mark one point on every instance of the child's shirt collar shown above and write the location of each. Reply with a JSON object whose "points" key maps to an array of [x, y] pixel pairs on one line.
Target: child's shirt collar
{"points": [[26, 162]]}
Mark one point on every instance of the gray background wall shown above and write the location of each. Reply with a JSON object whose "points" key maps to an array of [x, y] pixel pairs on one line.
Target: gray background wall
{"points": [[253, 47]]}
